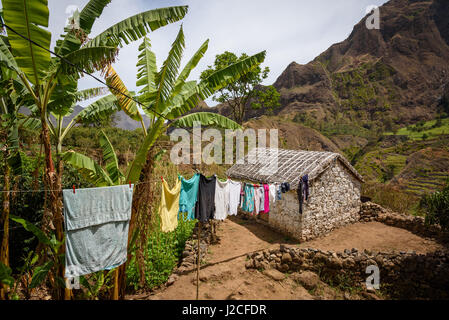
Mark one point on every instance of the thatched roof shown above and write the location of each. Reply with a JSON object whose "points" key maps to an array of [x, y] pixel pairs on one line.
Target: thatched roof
{"points": [[259, 166]]}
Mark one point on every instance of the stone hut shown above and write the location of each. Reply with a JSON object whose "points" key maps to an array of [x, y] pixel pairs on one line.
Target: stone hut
{"points": [[334, 189]]}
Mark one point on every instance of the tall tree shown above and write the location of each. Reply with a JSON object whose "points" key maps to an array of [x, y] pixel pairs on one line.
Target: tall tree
{"points": [[246, 90], [52, 81]]}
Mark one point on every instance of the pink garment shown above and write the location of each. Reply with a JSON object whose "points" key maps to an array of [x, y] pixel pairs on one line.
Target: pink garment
{"points": [[266, 189]]}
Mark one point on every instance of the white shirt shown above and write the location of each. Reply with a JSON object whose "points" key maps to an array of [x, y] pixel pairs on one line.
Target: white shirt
{"points": [[221, 200]]}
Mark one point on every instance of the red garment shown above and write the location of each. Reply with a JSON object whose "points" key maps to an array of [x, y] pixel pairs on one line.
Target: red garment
{"points": [[266, 189]]}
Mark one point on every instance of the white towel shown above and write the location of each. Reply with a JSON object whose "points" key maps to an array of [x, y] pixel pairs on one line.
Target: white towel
{"points": [[234, 197], [221, 200]]}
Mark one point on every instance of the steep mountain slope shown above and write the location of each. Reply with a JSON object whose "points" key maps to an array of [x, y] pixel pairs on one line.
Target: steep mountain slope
{"points": [[397, 72]]}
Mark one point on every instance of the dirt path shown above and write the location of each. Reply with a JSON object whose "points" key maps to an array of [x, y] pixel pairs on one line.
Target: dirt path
{"points": [[223, 276]]}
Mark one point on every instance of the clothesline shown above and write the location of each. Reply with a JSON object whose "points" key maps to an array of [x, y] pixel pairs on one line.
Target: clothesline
{"points": [[60, 190]]}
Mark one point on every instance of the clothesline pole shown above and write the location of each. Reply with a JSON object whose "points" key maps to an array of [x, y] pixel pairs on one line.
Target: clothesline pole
{"points": [[198, 263], [115, 293]]}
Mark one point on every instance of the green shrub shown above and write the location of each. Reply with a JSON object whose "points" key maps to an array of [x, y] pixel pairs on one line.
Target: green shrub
{"points": [[162, 254], [435, 206]]}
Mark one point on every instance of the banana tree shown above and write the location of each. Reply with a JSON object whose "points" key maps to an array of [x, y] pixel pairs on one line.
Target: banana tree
{"points": [[166, 97], [52, 81], [12, 96]]}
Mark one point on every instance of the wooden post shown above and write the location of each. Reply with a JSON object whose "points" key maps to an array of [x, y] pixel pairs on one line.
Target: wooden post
{"points": [[116, 288], [198, 263]]}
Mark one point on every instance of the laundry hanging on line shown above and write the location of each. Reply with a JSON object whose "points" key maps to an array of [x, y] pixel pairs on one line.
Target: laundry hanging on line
{"points": [[221, 199], [189, 196], [205, 206], [96, 222], [169, 206]]}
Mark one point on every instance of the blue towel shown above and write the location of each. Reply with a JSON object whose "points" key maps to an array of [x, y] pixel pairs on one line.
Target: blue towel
{"points": [[97, 222], [189, 196]]}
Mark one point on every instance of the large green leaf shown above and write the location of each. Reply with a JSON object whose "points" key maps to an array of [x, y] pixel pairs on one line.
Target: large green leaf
{"points": [[28, 226], [110, 159], [88, 168], [189, 67], [6, 57], [27, 17], [40, 273], [71, 39], [137, 26], [147, 69], [98, 110], [64, 96], [90, 93], [206, 119], [216, 81], [91, 11], [166, 78], [89, 60], [30, 123]]}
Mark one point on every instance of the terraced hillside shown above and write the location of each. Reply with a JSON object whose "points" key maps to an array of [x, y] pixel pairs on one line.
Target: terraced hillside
{"points": [[414, 166]]}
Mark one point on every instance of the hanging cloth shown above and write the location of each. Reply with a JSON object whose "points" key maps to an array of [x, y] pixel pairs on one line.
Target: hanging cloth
{"points": [[266, 189], [189, 196], [205, 206], [221, 200], [96, 222], [278, 193], [234, 197], [169, 206], [248, 200], [303, 191], [272, 194], [256, 200], [262, 199]]}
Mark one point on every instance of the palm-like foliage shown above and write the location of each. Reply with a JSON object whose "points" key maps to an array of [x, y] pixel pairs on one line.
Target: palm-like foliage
{"points": [[92, 171], [167, 95], [52, 81]]}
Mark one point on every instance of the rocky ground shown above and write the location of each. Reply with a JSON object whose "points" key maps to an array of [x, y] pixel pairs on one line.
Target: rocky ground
{"points": [[223, 273]]}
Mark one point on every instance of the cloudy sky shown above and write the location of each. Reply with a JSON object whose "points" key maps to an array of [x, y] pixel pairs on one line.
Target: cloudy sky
{"points": [[290, 30]]}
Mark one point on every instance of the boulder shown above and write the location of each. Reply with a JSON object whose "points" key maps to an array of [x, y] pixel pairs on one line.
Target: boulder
{"points": [[274, 274], [307, 279]]}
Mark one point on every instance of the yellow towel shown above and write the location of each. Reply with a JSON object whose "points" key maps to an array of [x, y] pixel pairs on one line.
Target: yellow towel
{"points": [[169, 207]]}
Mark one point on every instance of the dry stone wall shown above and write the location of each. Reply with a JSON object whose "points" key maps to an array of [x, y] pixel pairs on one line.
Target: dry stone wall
{"points": [[403, 275], [373, 212]]}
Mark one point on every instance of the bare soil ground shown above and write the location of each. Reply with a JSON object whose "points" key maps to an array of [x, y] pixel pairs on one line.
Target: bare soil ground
{"points": [[223, 275]]}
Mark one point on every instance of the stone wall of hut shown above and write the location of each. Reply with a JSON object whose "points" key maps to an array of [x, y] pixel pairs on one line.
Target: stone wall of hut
{"points": [[334, 202]]}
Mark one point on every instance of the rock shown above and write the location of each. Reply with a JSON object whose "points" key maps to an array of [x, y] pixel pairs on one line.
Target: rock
{"points": [[249, 264], [370, 296], [286, 258], [274, 274], [172, 279], [284, 267], [308, 279], [185, 254]]}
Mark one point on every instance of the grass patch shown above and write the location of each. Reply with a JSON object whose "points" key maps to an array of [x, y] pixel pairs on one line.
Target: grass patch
{"points": [[424, 130]]}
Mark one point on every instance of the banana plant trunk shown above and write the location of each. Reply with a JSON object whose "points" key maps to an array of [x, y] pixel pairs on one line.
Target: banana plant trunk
{"points": [[139, 223], [4, 251], [53, 219]]}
